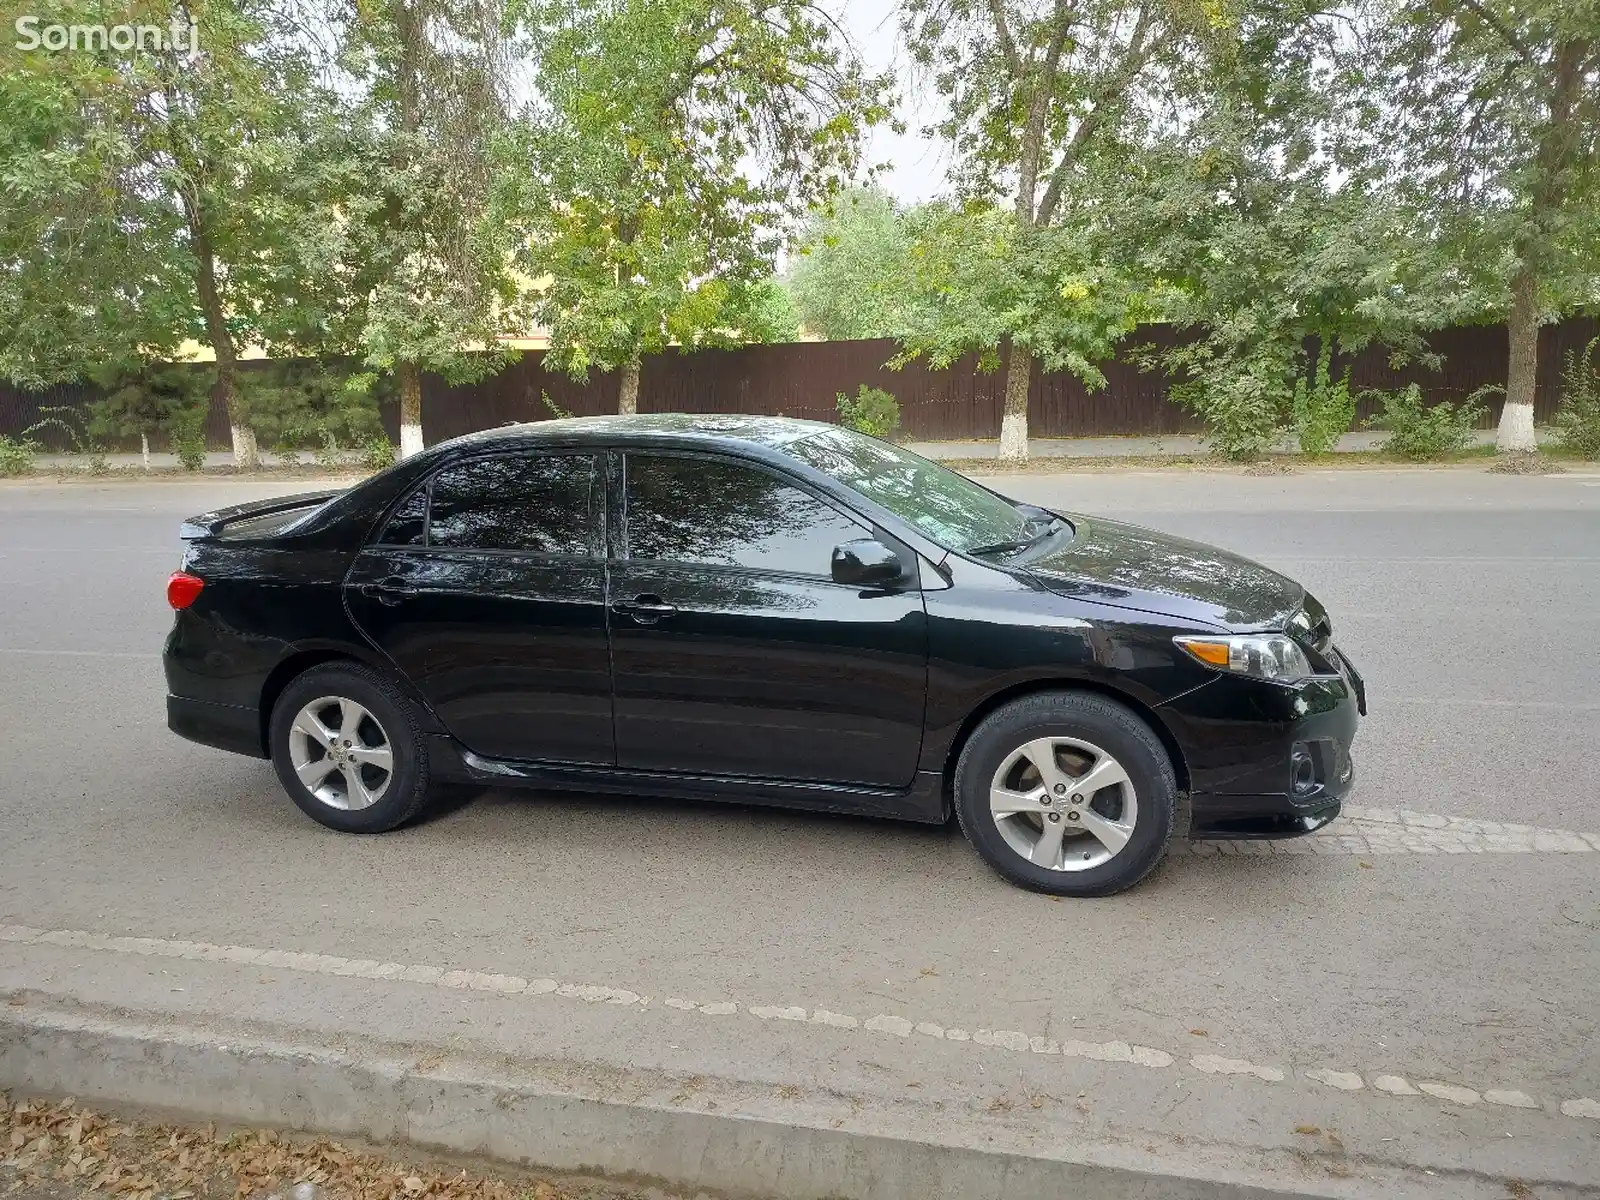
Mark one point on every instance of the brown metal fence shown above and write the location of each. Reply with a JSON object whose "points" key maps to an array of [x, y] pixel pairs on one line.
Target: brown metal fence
{"points": [[803, 379]]}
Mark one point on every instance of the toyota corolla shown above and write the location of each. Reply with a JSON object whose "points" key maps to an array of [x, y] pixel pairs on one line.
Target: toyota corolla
{"points": [[764, 611]]}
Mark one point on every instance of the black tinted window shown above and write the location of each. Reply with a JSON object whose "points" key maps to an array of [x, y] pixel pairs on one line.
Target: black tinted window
{"points": [[951, 509], [702, 511], [407, 523], [541, 503]]}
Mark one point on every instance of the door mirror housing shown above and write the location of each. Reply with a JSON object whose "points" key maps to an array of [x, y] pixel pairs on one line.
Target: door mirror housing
{"points": [[866, 562]]}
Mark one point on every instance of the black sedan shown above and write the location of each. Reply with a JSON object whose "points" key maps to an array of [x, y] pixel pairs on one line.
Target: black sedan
{"points": [[765, 611]]}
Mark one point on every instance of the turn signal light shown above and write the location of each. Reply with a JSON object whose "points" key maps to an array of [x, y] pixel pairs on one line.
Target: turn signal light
{"points": [[1215, 653], [183, 588]]}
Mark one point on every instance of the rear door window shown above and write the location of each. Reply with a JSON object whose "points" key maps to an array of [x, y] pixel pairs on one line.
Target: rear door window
{"points": [[408, 524], [534, 503]]}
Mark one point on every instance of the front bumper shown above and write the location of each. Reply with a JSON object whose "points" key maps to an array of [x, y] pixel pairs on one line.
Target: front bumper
{"points": [[1239, 737]]}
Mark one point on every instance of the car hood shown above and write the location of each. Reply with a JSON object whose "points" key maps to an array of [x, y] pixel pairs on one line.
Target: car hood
{"points": [[1128, 566]]}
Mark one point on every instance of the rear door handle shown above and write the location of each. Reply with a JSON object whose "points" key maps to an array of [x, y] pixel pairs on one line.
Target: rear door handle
{"points": [[390, 590], [646, 608]]}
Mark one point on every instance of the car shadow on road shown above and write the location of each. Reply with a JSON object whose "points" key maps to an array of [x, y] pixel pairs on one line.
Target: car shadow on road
{"points": [[578, 836]]}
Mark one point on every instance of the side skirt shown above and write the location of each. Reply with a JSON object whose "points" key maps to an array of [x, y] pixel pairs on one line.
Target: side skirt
{"points": [[923, 801]]}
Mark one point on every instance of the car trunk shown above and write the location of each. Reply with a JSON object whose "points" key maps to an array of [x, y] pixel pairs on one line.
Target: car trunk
{"points": [[254, 519]]}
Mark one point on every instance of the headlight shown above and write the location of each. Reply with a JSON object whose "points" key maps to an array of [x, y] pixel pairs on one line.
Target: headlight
{"points": [[1262, 655]]}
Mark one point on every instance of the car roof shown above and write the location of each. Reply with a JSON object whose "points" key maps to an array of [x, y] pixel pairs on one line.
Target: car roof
{"points": [[649, 429]]}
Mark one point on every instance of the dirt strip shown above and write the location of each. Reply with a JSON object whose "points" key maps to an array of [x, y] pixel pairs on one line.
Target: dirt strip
{"points": [[63, 1151]]}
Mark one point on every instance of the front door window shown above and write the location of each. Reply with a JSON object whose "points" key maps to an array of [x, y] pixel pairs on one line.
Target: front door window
{"points": [[717, 513]]}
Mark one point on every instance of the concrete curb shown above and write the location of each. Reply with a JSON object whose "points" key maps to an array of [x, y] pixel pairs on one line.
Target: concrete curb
{"points": [[385, 1099], [388, 1094]]}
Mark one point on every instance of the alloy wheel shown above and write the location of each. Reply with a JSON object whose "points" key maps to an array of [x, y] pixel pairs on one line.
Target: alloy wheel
{"points": [[1063, 804], [341, 753]]}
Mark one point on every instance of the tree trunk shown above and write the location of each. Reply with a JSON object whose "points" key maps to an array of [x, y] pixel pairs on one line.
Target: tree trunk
{"points": [[628, 389], [1516, 416], [225, 390], [1014, 418], [410, 34], [225, 393], [1558, 148], [144, 449], [409, 377]]}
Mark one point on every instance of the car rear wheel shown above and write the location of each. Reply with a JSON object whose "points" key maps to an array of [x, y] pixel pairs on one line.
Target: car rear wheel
{"points": [[1067, 793], [347, 749]]}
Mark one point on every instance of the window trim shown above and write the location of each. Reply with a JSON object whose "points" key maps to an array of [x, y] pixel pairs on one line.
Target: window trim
{"points": [[598, 509], [624, 549]]}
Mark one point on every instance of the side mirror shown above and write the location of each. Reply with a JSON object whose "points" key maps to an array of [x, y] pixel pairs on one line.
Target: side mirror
{"points": [[866, 562]]}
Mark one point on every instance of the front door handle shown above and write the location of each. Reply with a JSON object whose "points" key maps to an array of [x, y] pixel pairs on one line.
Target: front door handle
{"points": [[392, 589], [646, 608]]}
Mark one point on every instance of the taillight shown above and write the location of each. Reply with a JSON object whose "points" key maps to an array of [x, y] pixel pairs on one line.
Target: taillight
{"points": [[182, 588]]}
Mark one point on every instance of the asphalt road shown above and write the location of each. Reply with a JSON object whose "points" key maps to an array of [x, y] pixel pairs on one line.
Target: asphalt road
{"points": [[1470, 601]]}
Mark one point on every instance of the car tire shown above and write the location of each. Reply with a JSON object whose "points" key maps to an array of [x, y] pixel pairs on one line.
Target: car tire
{"points": [[1064, 846], [360, 789]]}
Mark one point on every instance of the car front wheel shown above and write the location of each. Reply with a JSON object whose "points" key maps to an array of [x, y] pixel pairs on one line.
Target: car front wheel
{"points": [[1067, 793], [347, 749]]}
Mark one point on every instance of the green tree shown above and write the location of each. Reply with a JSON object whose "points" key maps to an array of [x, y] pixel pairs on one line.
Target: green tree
{"points": [[1044, 98], [1485, 116], [167, 163], [769, 313], [1250, 231], [75, 231], [673, 140], [150, 398], [422, 277], [976, 280], [842, 265]]}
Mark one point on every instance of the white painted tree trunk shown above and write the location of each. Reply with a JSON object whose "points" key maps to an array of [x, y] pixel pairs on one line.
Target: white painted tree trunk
{"points": [[144, 449], [410, 440], [245, 453], [1516, 429], [1014, 418], [1014, 436], [410, 381], [1522, 373]]}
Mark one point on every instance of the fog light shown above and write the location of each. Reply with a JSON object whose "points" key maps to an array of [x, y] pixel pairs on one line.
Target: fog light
{"points": [[1302, 769]]}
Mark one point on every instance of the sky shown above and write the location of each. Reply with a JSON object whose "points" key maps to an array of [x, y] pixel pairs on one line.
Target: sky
{"points": [[916, 163]]}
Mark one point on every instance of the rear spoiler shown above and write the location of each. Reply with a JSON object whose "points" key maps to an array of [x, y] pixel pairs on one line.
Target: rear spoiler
{"points": [[209, 525]]}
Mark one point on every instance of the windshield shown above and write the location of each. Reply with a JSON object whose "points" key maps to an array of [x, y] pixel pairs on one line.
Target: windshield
{"points": [[949, 508]]}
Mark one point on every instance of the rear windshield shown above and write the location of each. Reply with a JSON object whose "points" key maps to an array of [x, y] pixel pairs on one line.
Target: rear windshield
{"points": [[270, 523]]}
